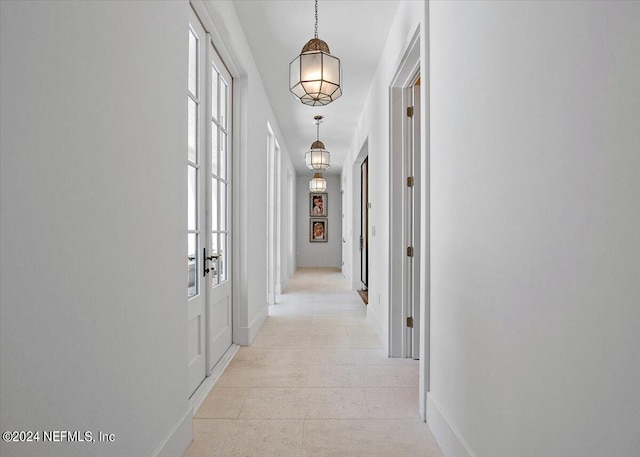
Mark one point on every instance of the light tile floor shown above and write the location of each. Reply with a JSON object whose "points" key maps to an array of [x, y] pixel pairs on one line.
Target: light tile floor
{"points": [[315, 383]]}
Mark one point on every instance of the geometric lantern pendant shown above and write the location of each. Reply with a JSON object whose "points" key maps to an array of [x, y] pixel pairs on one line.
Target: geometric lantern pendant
{"points": [[317, 158], [318, 183], [315, 76]]}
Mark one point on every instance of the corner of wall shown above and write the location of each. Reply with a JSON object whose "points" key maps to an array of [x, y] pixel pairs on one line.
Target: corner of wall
{"points": [[245, 335], [445, 432]]}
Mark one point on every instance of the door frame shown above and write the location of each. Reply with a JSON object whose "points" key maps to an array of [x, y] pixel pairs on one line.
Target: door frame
{"points": [[207, 268], [273, 217], [363, 240], [411, 63], [356, 214]]}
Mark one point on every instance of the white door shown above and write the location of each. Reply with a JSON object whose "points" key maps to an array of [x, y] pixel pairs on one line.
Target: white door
{"points": [[209, 126], [219, 199], [413, 222]]}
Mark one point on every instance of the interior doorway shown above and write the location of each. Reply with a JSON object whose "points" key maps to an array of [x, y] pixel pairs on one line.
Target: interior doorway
{"points": [[409, 227], [273, 216], [364, 230]]}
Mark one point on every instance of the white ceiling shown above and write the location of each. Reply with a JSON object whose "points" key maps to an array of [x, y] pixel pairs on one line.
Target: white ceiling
{"points": [[355, 31]]}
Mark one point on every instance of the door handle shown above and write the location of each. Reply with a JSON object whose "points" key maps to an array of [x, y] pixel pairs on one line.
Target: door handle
{"points": [[212, 257], [205, 270]]}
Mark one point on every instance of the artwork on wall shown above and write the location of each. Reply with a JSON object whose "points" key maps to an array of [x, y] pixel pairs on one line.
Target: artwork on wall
{"points": [[318, 229], [318, 204]]}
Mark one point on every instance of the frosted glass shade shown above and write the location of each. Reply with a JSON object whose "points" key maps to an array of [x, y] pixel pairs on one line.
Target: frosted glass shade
{"points": [[317, 158], [318, 183], [315, 76]]}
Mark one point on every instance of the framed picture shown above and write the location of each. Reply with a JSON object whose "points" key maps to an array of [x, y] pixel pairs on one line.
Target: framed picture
{"points": [[318, 204], [318, 229]]}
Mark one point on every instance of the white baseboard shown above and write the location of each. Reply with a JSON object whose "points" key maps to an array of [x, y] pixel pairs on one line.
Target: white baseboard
{"points": [[373, 321], [245, 335], [445, 432], [179, 438], [280, 287], [201, 393]]}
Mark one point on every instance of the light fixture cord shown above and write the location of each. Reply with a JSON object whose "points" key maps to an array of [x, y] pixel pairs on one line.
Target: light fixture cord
{"points": [[316, 36]]}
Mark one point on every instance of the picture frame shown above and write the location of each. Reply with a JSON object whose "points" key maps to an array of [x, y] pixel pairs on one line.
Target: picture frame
{"points": [[318, 229], [318, 204]]}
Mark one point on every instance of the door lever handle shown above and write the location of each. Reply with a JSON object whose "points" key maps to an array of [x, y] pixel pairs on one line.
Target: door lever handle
{"points": [[205, 270]]}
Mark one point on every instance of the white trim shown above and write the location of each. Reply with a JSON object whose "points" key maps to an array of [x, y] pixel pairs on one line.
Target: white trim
{"points": [[445, 432], [246, 335], [425, 222], [203, 390], [179, 438], [404, 77], [218, 41], [374, 322], [356, 216]]}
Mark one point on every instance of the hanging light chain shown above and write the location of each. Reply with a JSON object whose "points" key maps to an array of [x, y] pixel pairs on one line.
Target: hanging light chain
{"points": [[316, 35]]}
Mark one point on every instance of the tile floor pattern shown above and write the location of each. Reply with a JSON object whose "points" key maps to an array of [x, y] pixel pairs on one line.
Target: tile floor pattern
{"points": [[315, 383]]}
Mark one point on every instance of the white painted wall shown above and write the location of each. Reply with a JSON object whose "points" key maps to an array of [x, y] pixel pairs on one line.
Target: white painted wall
{"points": [[535, 228], [288, 218], [374, 127], [93, 202], [314, 254], [252, 112]]}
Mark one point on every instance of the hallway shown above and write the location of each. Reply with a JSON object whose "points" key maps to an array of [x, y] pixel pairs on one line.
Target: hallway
{"points": [[315, 382]]}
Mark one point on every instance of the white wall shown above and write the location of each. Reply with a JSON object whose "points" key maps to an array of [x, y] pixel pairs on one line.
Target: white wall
{"points": [[93, 202], [314, 254], [288, 220], [535, 228], [252, 113], [373, 127]]}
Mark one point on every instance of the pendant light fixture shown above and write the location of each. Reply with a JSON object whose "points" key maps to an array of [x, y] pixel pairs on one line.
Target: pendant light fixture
{"points": [[318, 183], [317, 158], [315, 76]]}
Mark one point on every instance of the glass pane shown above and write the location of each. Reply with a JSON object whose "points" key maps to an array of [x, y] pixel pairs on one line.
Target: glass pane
{"points": [[223, 156], [215, 76], [214, 148], [193, 63], [214, 204], [223, 103], [223, 206], [193, 131], [214, 262], [192, 198], [192, 265], [222, 261]]}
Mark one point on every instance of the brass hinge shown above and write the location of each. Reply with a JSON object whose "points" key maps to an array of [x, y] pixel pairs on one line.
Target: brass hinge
{"points": [[410, 251], [410, 322], [409, 181], [409, 111]]}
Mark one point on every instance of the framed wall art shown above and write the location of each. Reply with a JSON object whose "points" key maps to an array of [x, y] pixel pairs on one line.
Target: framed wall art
{"points": [[318, 229], [318, 204]]}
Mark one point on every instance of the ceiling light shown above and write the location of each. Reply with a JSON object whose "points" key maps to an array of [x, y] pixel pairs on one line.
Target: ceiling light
{"points": [[318, 183], [317, 158], [315, 76]]}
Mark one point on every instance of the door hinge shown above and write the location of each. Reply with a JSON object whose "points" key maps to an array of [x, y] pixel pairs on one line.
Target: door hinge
{"points": [[410, 251], [409, 181], [409, 111], [410, 322]]}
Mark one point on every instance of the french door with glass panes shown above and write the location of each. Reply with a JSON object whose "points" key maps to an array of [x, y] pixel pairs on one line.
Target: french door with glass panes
{"points": [[209, 197]]}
